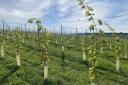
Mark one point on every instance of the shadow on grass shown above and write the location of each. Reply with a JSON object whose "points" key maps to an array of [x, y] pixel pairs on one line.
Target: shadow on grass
{"points": [[30, 47], [86, 63], [123, 58], [5, 77], [47, 82], [124, 74], [1, 58], [117, 81], [121, 73], [106, 69]]}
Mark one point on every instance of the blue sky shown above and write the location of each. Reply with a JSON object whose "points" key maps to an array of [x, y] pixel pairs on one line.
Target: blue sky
{"points": [[54, 13]]}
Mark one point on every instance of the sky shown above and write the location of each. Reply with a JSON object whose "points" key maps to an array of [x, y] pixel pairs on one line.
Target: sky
{"points": [[67, 13]]}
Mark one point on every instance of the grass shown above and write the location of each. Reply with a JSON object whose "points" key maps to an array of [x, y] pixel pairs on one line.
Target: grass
{"points": [[74, 72]]}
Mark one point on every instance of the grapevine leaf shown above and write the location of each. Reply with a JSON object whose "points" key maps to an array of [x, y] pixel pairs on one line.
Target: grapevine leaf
{"points": [[90, 8], [100, 22], [91, 27]]}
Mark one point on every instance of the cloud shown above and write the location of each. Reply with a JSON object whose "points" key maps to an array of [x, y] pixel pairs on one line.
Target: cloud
{"points": [[62, 12], [102, 9], [24, 9], [75, 13]]}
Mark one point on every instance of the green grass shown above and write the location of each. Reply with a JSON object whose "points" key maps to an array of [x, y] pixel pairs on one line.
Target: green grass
{"points": [[74, 72]]}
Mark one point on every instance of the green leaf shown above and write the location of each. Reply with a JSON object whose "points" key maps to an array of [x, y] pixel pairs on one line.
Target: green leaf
{"points": [[31, 20], [80, 2], [91, 27], [91, 18], [40, 27], [100, 22], [90, 8], [87, 13], [38, 22]]}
